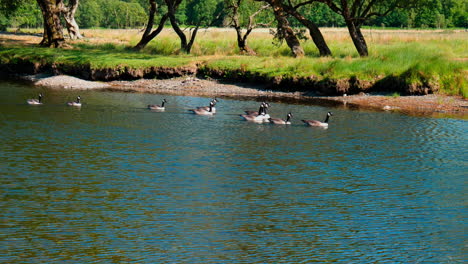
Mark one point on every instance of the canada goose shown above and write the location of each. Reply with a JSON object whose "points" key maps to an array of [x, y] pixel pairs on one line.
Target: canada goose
{"points": [[258, 117], [279, 121], [212, 105], [77, 103], [35, 101], [263, 109], [318, 123], [158, 107], [255, 118], [203, 111]]}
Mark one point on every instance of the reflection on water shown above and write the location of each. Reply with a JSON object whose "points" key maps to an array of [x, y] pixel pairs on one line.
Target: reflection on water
{"points": [[114, 182]]}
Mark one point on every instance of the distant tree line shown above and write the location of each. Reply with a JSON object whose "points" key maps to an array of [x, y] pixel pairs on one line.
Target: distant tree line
{"points": [[132, 14]]}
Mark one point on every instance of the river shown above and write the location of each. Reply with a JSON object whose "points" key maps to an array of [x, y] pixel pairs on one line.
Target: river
{"points": [[113, 182]]}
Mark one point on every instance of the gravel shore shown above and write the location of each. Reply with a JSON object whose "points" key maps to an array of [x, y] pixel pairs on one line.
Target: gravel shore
{"points": [[428, 105]]}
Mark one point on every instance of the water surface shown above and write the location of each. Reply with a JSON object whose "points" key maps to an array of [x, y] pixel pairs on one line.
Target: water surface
{"points": [[114, 182]]}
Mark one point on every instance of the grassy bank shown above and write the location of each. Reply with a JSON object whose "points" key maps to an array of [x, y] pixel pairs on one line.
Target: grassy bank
{"points": [[434, 60]]}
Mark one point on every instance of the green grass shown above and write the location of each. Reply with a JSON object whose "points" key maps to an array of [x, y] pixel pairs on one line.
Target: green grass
{"points": [[430, 59]]}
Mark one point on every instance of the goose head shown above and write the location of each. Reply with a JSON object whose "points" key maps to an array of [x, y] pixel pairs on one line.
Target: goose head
{"points": [[328, 117]]}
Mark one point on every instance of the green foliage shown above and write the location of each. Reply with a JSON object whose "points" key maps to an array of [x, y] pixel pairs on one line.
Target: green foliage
{"points": [[27, 16], [89, 14], [248, 7], [4, 22], [121, 14], [21, 13], [321, 15], [202, 12]]}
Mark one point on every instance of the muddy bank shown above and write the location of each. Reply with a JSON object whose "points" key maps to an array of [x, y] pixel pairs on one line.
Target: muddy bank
{"points": [[403, 84], [427, 105]]}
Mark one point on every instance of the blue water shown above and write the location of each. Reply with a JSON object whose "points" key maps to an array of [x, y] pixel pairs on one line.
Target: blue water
{"points": [[113, 182]]}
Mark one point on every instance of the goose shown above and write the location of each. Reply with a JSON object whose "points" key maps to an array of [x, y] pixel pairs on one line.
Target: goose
{"points": [[254, 118], [258, 117], [158, 107], [213, 109], [77, 103], [279, 121], [263, 108], [318, 123], [35, 101], [203, 111]]}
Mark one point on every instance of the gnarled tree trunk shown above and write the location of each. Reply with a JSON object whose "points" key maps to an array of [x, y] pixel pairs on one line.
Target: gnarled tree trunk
{"points": [[185, 45], [53, 30], [314, 32], [285, 29], [236, 24], [69, 16], [148, 35], [241, 39]]}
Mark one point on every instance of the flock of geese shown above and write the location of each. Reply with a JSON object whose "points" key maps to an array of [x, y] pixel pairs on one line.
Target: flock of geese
{"points": [[38, 101], [260, 116]]}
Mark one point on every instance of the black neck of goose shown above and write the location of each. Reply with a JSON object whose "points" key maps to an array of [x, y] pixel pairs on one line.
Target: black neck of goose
{"points": [[262, 110], [40, 98], [162, 105], [288, 118], [211, 108], [326, 119], [78, 100]]}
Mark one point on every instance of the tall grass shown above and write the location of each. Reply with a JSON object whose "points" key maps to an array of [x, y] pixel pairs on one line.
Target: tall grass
{"points": [[434, 56]]}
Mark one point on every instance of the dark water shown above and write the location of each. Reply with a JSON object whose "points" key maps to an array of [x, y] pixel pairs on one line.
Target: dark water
{"points": [[113, 182]]}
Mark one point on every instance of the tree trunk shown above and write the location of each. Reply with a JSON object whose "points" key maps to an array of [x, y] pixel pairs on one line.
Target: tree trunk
{"points": [[45, 38], [358, 38], [184, 45], [242, 42], [179, 32], [235, 23], [189, 46], [148, 35], [314, 32], [70, 22], [53, 30], [285, 29]]}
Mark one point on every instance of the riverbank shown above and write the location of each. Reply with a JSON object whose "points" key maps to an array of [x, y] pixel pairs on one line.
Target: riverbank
{"points": [[427, 105], [413, 63], [429, 64]]}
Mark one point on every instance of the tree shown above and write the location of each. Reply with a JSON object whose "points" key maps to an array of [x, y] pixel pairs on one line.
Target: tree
{"points": [[121, 14], [185, 45], [356, 12], [89, 14], [68, 12], [148, 35], [26, 14], [314, 31], [284, 30], [7, 9], [236, 22], [459, 13], [201, 13], [53, 30]]}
